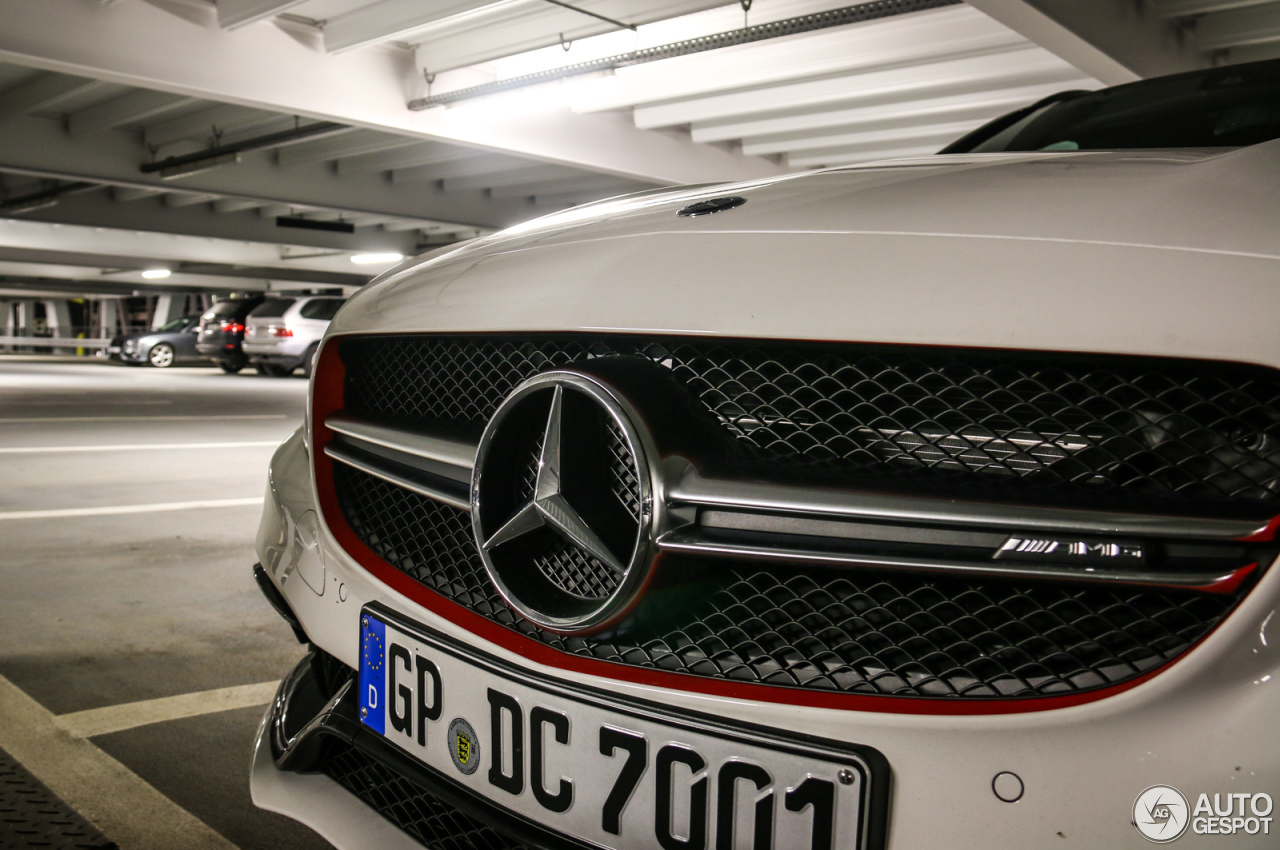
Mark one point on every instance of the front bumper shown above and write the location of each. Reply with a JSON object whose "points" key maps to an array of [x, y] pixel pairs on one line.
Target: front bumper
{"points": [[318, 801], [328, 740], [1204, 725]]}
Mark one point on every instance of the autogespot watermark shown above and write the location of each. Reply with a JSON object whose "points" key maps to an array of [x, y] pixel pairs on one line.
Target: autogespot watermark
{"points": [[1162, 814]]}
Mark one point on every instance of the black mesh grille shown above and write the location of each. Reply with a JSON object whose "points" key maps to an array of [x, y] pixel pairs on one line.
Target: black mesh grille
{"points": [[847, 631], [438, 825], [622, 469], [1191, 435], [573, 570]]}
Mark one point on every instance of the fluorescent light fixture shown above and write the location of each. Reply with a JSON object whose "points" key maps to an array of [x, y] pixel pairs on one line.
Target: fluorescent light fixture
{"points": [[314, 224], [371, 259], [156, 274]]}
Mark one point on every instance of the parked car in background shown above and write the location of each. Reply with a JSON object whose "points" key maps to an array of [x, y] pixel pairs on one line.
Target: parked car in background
{"points": [[282, 334], [162, 347], [221, 332]]}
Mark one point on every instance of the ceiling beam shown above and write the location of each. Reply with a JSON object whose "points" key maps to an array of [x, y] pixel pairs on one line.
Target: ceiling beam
{"points": [[459, 167], [349, 144], [40, 91], [1182, 8], [234, 205], [199, 126], [1238, 27], [419, 153], [31, 286], [72, 264], [238, 13], [904, 136], [901, 112], [156, 215], [514, 177], [125, 195], [917, 39], [604, 186], [100, 246], [40, 147], [266, 68], [829, 158], [132, 108], [177, 200], [517, 28], [1115, 41], [971, 75], [386, 20], [1255, 52]]}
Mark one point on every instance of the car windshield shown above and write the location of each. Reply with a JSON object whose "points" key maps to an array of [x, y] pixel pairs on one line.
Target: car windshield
{"points": [[1220, 107], [175, 325]]}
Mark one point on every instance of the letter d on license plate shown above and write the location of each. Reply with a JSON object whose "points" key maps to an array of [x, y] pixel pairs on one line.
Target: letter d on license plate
{"points": [[605, 770]]}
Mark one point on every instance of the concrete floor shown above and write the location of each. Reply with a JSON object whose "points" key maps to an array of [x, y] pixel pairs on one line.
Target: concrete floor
{"points": [[101, 607]]}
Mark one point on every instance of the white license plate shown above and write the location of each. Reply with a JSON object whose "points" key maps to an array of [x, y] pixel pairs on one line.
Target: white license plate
{"points": [[608, 771]]}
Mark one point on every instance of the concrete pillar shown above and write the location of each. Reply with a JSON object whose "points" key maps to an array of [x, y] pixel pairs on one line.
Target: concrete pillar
{"points": [[24, 320], [58, 318], [108, 317], [168, 308]]}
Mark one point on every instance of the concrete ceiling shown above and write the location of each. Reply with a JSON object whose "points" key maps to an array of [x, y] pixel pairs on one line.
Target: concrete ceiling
{"points": [[308, 103]]}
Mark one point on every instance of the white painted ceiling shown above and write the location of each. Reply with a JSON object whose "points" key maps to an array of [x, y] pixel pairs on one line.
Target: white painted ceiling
{"points": [[93, 90]]}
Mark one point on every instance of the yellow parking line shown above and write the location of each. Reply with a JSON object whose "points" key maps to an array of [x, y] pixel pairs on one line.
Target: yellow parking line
{"points": [[124, 806], [113, 510], [21, 420], [32, 450], [117, 718]]}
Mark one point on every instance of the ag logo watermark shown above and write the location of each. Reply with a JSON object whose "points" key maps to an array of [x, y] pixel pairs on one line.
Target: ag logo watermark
{"points": [[1162, 814]]}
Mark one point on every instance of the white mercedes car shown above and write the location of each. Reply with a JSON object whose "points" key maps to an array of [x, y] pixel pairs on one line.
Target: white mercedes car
{"points": [[922, 504]]}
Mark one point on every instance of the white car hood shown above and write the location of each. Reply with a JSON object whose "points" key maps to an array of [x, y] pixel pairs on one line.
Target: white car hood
{"points": [[1163, 252]]}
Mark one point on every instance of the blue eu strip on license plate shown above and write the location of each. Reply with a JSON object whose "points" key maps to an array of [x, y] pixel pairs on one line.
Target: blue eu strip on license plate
{"points": [[606, 771], [373, 663]]}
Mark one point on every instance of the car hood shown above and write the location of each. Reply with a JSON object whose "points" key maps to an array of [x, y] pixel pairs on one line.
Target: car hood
{"points": [[1092, 250]]}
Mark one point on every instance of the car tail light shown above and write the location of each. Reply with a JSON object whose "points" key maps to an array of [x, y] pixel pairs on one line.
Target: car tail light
{"points": [[279, 330], [231, 327]]}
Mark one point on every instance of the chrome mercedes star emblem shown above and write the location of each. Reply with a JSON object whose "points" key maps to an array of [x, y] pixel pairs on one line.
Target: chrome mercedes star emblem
{"points": [[560, 502], [549, 507]]}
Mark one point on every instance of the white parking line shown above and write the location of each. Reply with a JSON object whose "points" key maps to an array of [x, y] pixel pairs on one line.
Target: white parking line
{"points": [[32, 450], [128, 809], [137, 418], [60, 513], [117, 718]]}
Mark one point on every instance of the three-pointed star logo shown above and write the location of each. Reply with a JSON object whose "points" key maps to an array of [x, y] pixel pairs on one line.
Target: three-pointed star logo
{"points": [[549, 508]]}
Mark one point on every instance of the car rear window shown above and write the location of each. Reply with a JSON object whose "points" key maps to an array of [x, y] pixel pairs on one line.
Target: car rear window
{"points": [[321, 308], [229, 307], [272, 308]]}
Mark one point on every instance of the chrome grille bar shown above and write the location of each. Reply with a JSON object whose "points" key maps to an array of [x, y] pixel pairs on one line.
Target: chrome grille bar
{"points": [[727, 518], [451, 452], [688, 487]]}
